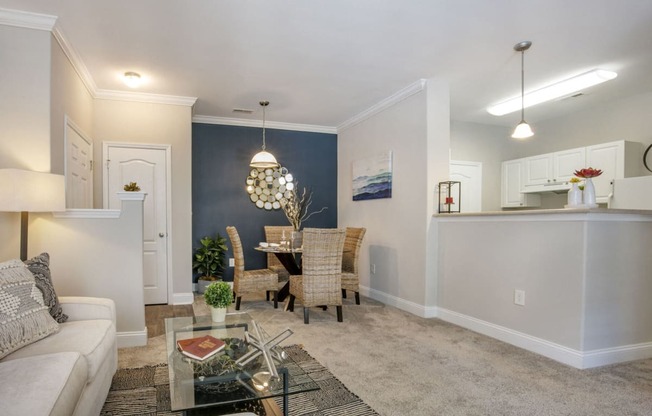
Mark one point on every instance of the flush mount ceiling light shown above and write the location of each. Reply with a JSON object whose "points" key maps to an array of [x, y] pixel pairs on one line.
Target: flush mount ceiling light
{"points": [[263, 159], [560, 89], [132, 79]]}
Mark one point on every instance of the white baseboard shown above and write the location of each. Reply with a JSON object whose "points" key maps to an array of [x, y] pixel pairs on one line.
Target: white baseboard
{"points": [[557, 352], [183, 298], [560, 353], [405, 305], [132, 338]]}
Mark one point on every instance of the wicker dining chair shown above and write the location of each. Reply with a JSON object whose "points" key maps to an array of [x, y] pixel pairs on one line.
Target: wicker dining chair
{"points": [[249, 281], [350, 256], [273, 234], [321, 281]]}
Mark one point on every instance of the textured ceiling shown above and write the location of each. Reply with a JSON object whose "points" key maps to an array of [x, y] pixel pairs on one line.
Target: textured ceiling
{"points": [[321, 62]]}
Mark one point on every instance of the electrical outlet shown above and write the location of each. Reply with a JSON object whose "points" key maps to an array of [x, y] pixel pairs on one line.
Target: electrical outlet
{"points": [[231, 262], [519, 297], [373, 269]]}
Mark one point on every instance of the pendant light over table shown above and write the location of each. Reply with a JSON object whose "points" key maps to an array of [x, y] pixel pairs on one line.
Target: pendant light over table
{"points": [[522, 130], [263, 159]]}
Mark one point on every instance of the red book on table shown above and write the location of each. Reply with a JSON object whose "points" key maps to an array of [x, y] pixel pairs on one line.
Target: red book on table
{"points": [[200, 348]]}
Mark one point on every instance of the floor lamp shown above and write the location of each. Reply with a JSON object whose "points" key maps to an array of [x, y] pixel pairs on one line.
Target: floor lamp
{"points": [[26, 191]]}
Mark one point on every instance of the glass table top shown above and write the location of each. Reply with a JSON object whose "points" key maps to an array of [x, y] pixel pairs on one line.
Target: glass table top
{"points": [[219, 380]]}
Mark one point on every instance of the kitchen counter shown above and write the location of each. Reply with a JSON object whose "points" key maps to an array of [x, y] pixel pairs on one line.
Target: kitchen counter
{"points": [[583, 276], [528, 212]]}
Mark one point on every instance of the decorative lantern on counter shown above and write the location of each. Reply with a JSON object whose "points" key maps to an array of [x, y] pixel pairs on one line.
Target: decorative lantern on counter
{"points": [[449, 197]]}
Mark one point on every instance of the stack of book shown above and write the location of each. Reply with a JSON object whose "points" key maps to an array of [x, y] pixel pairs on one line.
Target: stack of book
{"points": [[200, 348]]}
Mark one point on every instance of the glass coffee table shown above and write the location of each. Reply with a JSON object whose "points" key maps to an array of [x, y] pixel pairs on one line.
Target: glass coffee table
{"points": [[220, 381]]}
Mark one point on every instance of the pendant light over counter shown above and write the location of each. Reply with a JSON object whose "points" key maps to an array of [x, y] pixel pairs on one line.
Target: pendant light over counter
{"points": [[263, 159], [522, 130]]}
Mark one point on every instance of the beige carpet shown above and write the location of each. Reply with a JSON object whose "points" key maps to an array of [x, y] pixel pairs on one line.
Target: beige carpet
{"points": [[401, 364]]}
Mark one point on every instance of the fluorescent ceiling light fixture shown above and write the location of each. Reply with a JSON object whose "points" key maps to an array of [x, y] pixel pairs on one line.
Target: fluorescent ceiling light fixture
{"points": [[560, 89], [132, 79]]}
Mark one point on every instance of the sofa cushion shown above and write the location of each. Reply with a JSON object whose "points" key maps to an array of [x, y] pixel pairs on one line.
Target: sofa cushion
{"points": [[24, 318], [40, 268], [93, 339], [48, 384]]}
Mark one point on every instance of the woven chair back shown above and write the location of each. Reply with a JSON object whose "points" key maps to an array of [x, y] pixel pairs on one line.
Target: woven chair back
{"points": [[238, 254], [352, 244], [322, 266]]}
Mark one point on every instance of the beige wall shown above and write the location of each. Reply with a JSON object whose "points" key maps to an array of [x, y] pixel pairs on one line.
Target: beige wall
{"points": [[133, 122], [486, 144], [397, 228], [25, 102], [69, 98], [625, 119]]}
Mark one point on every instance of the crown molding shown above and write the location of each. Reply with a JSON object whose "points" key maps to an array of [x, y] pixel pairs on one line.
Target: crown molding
{"points": [[226, 121], [86, 78], [75, 60], [406, 92], [29, 20], [142, 97]]}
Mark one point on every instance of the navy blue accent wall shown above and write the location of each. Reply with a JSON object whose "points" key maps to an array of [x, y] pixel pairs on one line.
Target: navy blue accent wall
{"points": [[220, 166]]}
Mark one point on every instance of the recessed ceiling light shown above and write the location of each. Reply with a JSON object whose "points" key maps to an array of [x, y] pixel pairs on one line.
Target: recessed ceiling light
{"points": [[560, 89], [132, 79]]}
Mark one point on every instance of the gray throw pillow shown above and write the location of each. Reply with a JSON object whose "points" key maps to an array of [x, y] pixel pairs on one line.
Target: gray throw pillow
{"points": [[24, 318], [40, 268]]}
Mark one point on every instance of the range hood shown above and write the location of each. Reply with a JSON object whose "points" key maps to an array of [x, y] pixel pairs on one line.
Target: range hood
{"points": [[553, 187]]}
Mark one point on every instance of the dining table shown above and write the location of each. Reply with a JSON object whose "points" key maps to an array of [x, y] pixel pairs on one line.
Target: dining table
{"points": [[289, 259]]}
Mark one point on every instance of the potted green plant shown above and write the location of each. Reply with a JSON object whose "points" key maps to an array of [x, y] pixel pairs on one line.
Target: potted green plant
{"points": [[218, 296], [208, 260]]}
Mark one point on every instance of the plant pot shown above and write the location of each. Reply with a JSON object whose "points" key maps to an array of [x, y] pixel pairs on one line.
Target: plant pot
{"points": [[218, 314], [202, 285]]}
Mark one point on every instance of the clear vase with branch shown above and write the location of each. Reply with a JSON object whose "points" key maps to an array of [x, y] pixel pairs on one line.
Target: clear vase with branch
{"points": [[297, 209]]}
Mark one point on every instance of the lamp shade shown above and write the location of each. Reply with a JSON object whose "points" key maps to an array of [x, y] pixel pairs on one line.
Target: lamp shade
{"points": [[28, 191], [263, 160], [522, 131]]}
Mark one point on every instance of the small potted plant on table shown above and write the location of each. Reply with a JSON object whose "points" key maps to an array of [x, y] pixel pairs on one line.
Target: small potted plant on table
{"points": [[218, 296], [208, 260]]}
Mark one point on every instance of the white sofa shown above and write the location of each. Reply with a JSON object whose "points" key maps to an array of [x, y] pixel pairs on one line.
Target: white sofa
{"points": [[68, 372]]}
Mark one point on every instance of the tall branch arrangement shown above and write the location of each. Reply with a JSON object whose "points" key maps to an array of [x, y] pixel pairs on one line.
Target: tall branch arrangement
{"points": [[297, 208]]}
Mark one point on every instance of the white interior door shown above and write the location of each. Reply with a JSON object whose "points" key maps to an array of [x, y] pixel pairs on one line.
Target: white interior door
{"points": [[79, 168], [147, 166], [470, 175]]}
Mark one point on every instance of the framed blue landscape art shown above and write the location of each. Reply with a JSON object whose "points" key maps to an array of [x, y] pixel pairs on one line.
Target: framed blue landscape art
{"points": [[372, 177]]}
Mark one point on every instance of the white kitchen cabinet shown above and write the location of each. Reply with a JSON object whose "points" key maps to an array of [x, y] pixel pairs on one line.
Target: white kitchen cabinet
{"points": [[617, 160], [553, 168], [513, 174]]}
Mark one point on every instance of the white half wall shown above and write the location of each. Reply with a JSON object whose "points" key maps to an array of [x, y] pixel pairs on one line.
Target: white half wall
{"points": [[98, 253], [585, 275]]}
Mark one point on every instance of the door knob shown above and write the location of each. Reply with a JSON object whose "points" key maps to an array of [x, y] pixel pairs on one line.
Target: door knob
{"points": [[161, 235]]}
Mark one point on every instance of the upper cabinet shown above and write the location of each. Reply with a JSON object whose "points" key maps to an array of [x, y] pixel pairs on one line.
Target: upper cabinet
{"points": [[511, 194], [525, 178], [553, 168], [617, 160]]}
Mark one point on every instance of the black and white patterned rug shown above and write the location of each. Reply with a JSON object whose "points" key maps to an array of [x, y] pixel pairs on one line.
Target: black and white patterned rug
{"points": [[145, 391]]}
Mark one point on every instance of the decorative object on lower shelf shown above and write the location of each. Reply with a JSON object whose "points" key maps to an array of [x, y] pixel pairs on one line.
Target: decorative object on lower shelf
{"points": [[200, 348], [263, 344], [218, 296]]}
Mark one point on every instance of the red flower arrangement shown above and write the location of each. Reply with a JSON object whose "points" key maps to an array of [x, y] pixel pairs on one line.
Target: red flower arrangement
{"points": [[588, 173]]}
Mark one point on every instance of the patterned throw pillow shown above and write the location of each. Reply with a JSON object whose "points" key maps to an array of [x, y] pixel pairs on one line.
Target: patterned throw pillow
{"points": [[40, 268], [24, 318]]}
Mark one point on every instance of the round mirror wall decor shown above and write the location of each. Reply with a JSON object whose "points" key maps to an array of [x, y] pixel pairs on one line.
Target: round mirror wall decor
{"points": [[269, 188]]}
